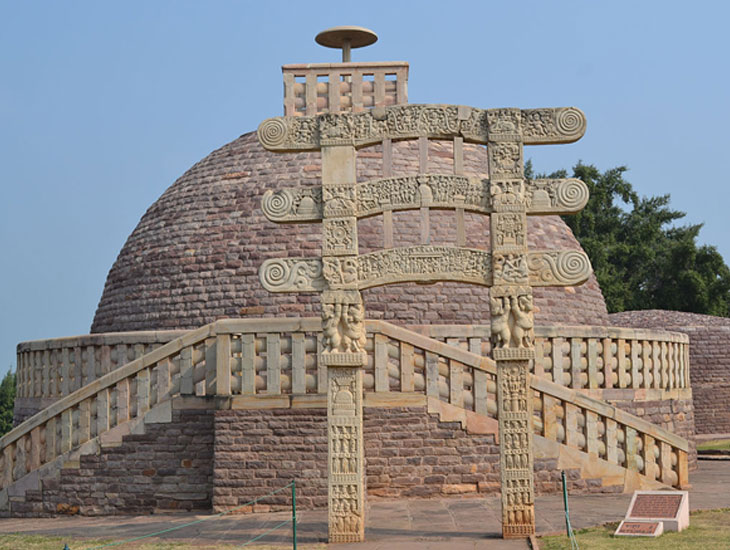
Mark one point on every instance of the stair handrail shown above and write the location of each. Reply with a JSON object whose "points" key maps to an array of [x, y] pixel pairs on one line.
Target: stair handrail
{"points": [[543, 385]]}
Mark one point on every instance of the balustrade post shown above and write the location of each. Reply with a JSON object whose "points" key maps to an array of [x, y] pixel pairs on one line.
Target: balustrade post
{"points": [[223, 364]]}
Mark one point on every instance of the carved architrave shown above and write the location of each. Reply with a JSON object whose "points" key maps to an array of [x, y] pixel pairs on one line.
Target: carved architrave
{"points": [[535, 126], [345, 454], [295, 204], [431, 190], [424, 263], [438, 191], [555, 196], [558, 268], [292, 275]]}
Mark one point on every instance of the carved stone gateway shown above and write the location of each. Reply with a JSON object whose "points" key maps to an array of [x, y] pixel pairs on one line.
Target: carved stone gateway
{"points": [[509, 268]]}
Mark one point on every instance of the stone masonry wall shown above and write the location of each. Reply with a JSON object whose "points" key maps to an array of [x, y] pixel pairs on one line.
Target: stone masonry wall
{"points": [[408, 453], [709, 359], [168, 468]]}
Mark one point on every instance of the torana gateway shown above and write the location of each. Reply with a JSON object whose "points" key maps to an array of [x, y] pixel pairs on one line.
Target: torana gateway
{"points": [[367, 296]]}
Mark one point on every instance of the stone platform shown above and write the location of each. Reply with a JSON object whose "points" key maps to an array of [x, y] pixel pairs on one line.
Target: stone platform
{"points": [[439, 523]]}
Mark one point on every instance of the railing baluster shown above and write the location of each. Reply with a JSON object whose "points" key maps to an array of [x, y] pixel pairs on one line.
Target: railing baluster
{"points": [[223, 364], [298, 360], [571, 426], [592, 357], [102, 411], [665, 462], [211, 366], [607, 366], [456, 383], [84, 421], [635, 364], [35, 448], [648, 456], [591, 432], [432, 375], [406, 367], [631, 449], [248, 366], [122, 392], [273, 364], [558, 361], [621, 363], [382, 383], [66, 431], [611, 441], [575, 357], [645, 360], [143, 391], [187, 386]]}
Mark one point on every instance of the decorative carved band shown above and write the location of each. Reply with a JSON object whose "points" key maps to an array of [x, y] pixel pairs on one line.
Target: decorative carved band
{"points": [[292, 275], [563, 268], [531, 127], [424, 264], [295, 204], [474, 194]]}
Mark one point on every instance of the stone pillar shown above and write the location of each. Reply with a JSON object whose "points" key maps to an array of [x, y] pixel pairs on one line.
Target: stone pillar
{"points": [[343, 345], [512, 320]]}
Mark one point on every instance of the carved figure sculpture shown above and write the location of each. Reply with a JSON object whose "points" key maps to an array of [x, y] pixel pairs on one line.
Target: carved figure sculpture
{"points": [[353, 332], [522, 320], [331, 338], [500, 308]]}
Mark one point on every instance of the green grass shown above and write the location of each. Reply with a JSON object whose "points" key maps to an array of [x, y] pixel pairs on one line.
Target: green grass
{"points": [[708, 530], [41, 542], [720, 445]]}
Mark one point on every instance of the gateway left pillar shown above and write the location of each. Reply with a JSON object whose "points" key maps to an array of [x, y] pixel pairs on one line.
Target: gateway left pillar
{"points": [[343, 345]]}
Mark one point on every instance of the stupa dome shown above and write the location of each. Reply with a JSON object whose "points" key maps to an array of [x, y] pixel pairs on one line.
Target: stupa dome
{"points": [[195, 254]]}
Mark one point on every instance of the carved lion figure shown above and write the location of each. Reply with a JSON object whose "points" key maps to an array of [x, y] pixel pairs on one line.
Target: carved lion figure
{"points": [[500, 322], [354, 337]]}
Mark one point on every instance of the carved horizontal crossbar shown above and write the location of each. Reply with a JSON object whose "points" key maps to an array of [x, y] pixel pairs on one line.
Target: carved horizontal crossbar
{"points": [[424, 264], [398, 122], [439, 191]]}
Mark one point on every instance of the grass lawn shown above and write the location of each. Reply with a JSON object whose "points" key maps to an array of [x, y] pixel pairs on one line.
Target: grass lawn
{"points": [[40, 542], [708, 530], [721, 445]]}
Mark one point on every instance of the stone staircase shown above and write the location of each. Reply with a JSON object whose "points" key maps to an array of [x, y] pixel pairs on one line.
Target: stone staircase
{"points": [[272, 364]]}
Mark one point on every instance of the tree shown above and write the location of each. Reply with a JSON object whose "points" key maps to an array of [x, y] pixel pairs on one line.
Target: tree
{"points": [[640, 258], [7, 401]]}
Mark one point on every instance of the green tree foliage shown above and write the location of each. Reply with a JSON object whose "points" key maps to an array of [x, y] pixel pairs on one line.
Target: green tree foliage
{"points": [[641, 259], [7, 400]]}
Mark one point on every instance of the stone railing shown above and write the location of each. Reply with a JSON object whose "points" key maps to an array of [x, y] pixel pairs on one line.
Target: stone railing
{"points": [[333, 87], [246, 362], [406, 361], [576, 357], [591, 358], [56, 367]]}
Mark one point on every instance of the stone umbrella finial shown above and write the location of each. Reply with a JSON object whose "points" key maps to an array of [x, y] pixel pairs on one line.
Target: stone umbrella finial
{"points": [[346, 38]]}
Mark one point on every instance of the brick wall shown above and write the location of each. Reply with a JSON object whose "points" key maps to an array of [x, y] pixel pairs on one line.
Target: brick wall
{"points": [[709, 359], [408, 453], [168, 468]]}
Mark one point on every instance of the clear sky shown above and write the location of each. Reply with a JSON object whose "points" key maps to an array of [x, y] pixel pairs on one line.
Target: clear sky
{"points": [[103, 105]]}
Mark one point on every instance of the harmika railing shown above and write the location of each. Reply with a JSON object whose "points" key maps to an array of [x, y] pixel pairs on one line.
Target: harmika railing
{"points": [[269, 357]]}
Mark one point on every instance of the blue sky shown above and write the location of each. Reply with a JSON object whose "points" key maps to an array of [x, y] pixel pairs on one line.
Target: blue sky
{"points": [[103, 105]]}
